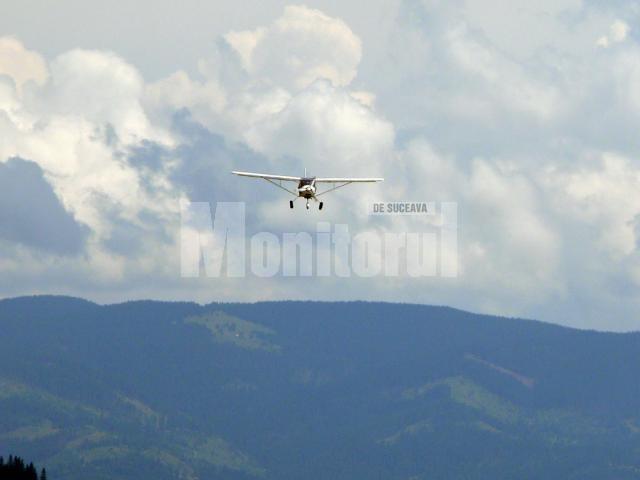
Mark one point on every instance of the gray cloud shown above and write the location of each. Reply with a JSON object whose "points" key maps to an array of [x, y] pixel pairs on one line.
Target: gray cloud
{"points": [[31, 214], [206, 160]]}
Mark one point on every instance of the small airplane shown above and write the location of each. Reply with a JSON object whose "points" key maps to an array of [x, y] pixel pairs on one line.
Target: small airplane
{"points": [[307, 185]]}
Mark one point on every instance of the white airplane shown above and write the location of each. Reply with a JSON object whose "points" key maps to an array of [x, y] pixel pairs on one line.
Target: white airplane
{"points": [[307, 185]]}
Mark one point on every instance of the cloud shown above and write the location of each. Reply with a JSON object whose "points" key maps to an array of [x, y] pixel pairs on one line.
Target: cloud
{"points": [[77, 126], [31, 214], [252, 75], [20, 64], [301, 46], [605, 195], [617, 33], [501, 216], [101, 88], [177, 92], [533, 136], [505, 82], [327, 127]]}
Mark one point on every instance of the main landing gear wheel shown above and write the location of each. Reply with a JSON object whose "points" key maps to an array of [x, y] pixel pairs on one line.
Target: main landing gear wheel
{"points": [[320, 206], [290, 203]]}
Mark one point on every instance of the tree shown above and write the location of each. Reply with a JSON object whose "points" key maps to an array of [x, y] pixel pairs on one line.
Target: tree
{"points": [[30, 472], [15, 468]]}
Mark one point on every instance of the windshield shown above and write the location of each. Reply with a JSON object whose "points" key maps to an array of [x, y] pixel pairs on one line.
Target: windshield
{"points": [[306, 181]]}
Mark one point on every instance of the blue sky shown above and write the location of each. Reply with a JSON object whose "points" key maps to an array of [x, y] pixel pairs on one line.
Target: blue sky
{"points": [[524, 114]]}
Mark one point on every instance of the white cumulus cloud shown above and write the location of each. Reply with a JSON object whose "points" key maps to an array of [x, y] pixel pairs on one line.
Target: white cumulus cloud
{"points": [[301, 46]]}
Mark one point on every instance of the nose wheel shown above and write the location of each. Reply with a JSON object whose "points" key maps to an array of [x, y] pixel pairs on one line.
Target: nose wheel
{"points": [[307, 204]]}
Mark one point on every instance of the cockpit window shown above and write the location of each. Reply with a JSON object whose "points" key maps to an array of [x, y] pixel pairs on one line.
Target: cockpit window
{"points": [[306, 181]]}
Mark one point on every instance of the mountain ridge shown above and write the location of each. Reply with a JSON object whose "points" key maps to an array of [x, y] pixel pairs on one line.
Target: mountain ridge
{"points": [[213, 304]]}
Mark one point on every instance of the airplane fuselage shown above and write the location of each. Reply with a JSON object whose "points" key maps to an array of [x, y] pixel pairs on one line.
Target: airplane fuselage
{"points": [[307, 188]]}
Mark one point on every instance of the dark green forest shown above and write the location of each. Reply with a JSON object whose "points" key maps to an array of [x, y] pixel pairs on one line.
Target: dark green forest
{"points": [[290, 390]]}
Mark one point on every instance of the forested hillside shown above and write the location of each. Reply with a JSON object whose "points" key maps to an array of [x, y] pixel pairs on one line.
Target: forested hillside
{"points": [[294, 390]]}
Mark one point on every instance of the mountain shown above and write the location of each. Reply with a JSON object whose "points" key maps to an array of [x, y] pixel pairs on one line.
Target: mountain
{"points": [[292, 390]]}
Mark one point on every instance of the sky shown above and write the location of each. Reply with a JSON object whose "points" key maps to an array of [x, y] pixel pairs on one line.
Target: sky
{"points": [[525, 114]]}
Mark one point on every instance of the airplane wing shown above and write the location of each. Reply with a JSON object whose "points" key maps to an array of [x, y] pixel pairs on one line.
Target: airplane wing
{"points": [[343, 182], [348, 180], [268, 177]]}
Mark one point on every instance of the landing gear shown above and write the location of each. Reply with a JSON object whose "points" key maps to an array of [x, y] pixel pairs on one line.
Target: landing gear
{"points": [[320, 204]]}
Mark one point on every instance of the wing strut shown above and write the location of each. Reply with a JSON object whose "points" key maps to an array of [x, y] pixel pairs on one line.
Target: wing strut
{"points": [[279, 185], [334, 188]]}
